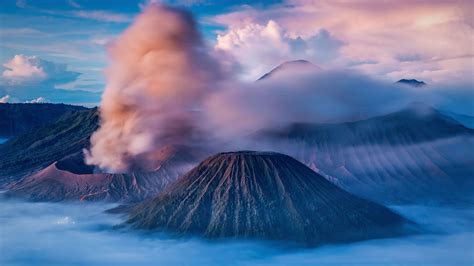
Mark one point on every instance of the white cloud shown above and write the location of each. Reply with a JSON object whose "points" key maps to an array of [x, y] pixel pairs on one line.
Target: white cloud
{"points": [[23, 68], [257, 47], [260, 47], [430, 40], [5, 99], [38, 100], [102, 40], [30, 77], [103, 16]]}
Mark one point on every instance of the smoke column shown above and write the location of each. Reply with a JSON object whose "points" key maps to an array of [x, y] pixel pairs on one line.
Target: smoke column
{"points": [[165, 87], [158, 75]]}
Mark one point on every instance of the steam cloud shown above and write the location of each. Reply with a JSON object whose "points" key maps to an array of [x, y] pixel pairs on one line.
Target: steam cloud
{"points": [[301, 96], [164, 87], [159, 73]]}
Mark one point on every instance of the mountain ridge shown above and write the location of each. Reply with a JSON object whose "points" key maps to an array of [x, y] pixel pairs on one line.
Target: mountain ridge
{"points": [[18, 118], [404, 157], [42, 146]]}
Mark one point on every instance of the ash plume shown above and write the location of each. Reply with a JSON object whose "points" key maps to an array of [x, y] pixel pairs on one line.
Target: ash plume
{"points": [[158, 75], [165, 87]]}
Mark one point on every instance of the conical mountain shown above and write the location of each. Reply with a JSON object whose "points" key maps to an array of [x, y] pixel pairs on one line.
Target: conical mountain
{"points": [[266, 196], [290, 68]]}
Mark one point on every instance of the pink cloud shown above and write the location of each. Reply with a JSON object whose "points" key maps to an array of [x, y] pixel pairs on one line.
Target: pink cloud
{"points": [[5, 99], [436, 33], [22, 67]]}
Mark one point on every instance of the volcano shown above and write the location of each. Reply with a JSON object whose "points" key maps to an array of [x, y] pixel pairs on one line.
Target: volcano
{"points": [[416, 155], [288, 67], [47, 164], [71, 179], [263, 195], [40, 147]]}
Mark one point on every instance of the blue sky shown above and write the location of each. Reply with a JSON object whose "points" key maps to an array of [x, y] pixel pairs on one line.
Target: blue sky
{"points": [[75, 32], [371, 37]]}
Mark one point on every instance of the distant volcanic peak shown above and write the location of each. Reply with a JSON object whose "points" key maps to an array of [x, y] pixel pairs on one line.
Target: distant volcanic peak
{"points": [[295, 66], [299, 62], [412, 82], [250, 194]]}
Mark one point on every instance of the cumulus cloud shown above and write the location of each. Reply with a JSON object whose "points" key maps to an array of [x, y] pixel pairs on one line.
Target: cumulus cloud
{"points": [[5, 99], [323, 47], [30, 77], [159, 73], [430, 40], [23, 68], [38, 100], [259, 47]]}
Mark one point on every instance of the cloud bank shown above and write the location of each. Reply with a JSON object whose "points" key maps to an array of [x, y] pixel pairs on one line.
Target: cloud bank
{"points": [[81, 234], [302, 97]]}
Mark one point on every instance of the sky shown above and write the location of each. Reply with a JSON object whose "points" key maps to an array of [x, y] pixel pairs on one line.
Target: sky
{"points": [[56, 50]]}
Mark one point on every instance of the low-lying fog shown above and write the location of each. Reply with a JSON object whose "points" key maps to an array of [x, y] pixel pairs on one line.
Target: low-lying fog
{"points": [[66, 234]]}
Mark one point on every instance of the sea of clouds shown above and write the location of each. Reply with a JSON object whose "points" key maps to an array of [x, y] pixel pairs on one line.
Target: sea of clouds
{"points": [[82, 234]]}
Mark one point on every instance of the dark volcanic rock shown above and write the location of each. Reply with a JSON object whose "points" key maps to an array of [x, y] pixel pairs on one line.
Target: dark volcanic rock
{"points": [[43, 146], [70, 179], [47, 164], [263, 195], [412, 82], [18, 118]]}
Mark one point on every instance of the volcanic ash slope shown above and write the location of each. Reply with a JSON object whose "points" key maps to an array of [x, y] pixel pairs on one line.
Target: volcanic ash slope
{"points": [[263, 195]]}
